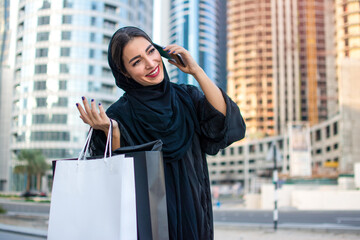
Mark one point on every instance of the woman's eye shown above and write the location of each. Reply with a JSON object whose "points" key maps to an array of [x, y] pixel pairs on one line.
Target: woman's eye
{"points": [[136, 62], [152, 50]]}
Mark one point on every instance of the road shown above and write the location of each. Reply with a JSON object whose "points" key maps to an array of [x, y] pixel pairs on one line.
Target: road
{"points": [[15, 236], [335, 218]]}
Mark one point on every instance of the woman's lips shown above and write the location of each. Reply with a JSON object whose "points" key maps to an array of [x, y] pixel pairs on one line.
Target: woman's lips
{"points": [[154, 73]]}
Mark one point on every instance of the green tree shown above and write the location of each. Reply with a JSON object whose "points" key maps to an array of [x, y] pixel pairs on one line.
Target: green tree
{"points": [[31, 162]]}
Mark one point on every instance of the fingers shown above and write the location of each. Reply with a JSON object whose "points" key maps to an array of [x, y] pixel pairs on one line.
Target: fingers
{"points": [[102, 112], [174, 49], [93, 117]]}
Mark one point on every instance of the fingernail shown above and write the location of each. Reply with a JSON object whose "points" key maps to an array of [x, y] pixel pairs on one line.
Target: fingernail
{"points": [[92, 100], [99, 104], [83, 98], [77, 104], [168, 51], [173, 51]]}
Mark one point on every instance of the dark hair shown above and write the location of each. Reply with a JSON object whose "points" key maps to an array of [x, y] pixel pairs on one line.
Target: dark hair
{"points": [[120, 39]]}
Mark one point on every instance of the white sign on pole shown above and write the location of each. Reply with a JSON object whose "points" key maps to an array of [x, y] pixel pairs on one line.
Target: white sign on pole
{"points": [[299, 150]]}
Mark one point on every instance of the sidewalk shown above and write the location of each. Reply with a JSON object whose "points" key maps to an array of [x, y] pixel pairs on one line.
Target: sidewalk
{"points": [[243, 233], [37, 226]]}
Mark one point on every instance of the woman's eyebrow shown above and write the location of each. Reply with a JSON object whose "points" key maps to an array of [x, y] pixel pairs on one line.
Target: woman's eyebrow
{"points": [[140, 55]]}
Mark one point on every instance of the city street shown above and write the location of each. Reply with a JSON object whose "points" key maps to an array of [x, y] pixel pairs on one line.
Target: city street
{"points": [[337, 219], [230, 223]]}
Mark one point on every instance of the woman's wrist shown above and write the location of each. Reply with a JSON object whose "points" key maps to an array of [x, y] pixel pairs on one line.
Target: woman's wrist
{"points": [[197, 72]]}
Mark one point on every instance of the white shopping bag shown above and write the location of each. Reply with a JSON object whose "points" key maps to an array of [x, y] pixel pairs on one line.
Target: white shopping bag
{"points": [[93, 199]]}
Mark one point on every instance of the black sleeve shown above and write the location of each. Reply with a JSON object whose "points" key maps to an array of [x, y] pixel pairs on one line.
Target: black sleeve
{"points": [[216, 130]]}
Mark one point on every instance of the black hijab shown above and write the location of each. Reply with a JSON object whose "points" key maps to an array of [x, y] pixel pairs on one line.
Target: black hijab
{"points": [[163, 111]]}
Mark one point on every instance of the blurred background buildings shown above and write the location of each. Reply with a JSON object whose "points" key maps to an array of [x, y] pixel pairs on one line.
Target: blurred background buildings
{"points": [[288, 64], [59, 53]]}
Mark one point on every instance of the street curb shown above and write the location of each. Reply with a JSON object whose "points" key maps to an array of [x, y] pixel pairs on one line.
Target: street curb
{"points": [[23, 231], [287, 226]]}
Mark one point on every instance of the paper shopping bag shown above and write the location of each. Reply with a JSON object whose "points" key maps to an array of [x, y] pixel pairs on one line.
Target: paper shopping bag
{"points": [[93, 199], [118, 197]]}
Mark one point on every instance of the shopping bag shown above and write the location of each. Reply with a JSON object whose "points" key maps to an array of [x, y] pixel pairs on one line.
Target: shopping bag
{"points": [[93, 199], [135, 209]]}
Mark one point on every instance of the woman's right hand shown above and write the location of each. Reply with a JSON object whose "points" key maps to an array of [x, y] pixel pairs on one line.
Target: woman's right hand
{"points": [[90, 115]]}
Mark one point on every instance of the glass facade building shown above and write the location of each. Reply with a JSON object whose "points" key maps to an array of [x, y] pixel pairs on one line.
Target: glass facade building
{"points": [[200, 27], [61, 55]]}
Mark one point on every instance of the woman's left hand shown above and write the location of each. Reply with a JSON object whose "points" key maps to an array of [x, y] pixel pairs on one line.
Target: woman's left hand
{"points": [[191, 66]]}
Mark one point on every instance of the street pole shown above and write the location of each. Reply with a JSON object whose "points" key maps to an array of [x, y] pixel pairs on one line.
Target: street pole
{"points": [[275, 181]]}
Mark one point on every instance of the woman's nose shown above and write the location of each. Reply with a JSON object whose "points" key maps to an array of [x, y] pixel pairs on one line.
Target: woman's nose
{"points": [[150, 63]]}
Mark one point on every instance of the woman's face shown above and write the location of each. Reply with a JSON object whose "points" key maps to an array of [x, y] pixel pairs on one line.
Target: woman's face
{"points": [[143, 62]]}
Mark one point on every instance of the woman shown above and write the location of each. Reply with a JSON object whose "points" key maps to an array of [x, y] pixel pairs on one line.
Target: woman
{"points": [[190, 124]]}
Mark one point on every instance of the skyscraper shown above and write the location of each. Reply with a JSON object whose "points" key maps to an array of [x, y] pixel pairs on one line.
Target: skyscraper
{"points": [[277, 63], [61, 55], [5, 95], [199, 26]]}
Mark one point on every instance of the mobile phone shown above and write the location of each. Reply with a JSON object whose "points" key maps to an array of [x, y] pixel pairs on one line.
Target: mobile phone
{"points": [[177, 57]]}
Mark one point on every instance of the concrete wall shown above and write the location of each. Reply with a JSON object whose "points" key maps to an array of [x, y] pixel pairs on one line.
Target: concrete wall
{"points": [[306, 197]]}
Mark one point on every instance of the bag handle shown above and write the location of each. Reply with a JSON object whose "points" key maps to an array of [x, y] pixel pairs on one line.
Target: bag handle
{"points": [[109, 140], [108, 149], [85, 148]]}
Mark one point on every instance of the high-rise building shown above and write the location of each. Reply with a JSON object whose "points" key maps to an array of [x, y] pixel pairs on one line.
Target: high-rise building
{"points": [[199, 26], [277, 63], [5, 95], [61, 55], [347, 19]]}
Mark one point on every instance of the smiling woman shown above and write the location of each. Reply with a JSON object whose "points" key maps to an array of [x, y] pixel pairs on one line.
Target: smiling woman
{"points": [[143, 62], [190, 124]]}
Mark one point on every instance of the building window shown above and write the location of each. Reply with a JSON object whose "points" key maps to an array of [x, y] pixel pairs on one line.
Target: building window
{"points": [[335, 128], [327, 131], [91, 69], [328, 148], [49, 119], [42, 36], [68, 4], [40, 69], [261, 147], [240, 150], [214, 164], [41, 52], [65, 35], [65, 52], [109, 24], [251, 148], [91, 53], [109, 8], [62, 85], [67, 19], [318, 151], [42, 136], [93, 21], [92, 37], [57, 153], [39, 85], [46, 5], [93, 6], [64, 68], [240, 162], [223, 163], [41, 102], [251, 160], [240, 171], [231, 151], [223, 153], [318, 135], [62, 102], [43, 20], [336, 146]]}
